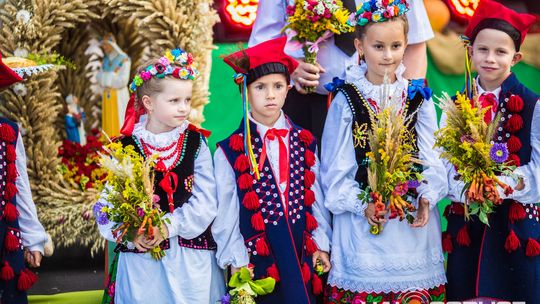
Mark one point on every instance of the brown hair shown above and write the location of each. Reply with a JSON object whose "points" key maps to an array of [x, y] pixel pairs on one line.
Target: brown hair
{"points": [[362, 30], [152, 86]]}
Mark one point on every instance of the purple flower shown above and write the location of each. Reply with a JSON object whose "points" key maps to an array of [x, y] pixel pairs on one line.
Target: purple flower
{"points": [[225, 299], [140, 212], [499, 152], [145, 75], [413, 183], [100, 214]]}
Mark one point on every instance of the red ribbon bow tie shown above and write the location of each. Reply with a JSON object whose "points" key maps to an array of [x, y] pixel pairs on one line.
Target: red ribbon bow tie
{"points": [[278, 134], [488, 100]]}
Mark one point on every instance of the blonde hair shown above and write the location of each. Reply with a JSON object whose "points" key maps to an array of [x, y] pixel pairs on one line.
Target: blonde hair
{"points": [[362, 30], [151, 86]]}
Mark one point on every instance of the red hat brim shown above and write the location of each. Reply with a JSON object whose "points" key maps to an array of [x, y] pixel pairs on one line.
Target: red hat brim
{"points": [[7, 75]]}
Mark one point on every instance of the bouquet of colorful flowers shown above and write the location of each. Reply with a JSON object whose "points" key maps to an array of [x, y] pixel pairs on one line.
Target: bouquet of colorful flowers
{"points": [[80, 164], [245, 290], [129, 191], [311, 22], [392, 166], [467, 143]]}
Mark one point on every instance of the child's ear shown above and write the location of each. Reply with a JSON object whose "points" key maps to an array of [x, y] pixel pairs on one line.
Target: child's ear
{"points": [[517, 58], [470, 50], [147, 103], [358, 46]]}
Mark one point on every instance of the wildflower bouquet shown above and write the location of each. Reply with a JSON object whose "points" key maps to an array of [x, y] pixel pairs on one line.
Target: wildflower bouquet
{"points": [[392, 165], [245, 289], [129, 190], [467, 141], [311, 22]]}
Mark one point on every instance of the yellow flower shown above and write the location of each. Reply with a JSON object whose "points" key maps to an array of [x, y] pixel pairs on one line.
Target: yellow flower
{"points": [[341, 16], [169, 56]]}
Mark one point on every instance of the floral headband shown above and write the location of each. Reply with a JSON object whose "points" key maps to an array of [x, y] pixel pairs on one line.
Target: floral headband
{"points": [[380, 11], [164, 67]]}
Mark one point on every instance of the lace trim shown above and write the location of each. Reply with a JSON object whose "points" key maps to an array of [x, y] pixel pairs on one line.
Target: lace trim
{"points": [[158, 140], [382, 285], [399, 263], [356, 74]]}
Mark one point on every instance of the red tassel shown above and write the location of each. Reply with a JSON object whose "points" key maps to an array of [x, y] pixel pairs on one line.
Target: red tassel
{"points": [[11, 242], [463, 238], [245, 181], [317, 284], [515, 104], [512, 242], [11, 155], [273, 272], [311, 222], [10, 212], [7, 272], [262, 247], [446, 211], [533, 248], [11, 172], [309, 157], [516, 212], [306, 137], [309, 179], [311, 246], [514, 144], [513, 160], [251, 201], [514, 123], [7, 133], [26, 280], [10, 191], [257, 221], [309, 197], [242, 163], [447, 242], [236, 142], [306, 273]]}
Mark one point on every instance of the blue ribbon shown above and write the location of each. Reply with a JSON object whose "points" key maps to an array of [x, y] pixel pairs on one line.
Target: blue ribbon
{"points": [[417, 85], [336, 83]]}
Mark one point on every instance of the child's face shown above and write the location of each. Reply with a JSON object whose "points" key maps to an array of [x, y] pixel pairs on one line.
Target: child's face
{"points": [[169, 108], [383, 46], [267, 96], [493, 54]]}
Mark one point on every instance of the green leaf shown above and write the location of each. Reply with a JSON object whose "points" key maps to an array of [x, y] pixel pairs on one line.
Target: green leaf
{"points": [[483, 218]]}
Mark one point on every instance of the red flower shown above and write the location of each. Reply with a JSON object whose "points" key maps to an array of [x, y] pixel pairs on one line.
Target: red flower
{"points": [[367, 15], [514, 144], [514, 123], [385, 3], [515, 104]]}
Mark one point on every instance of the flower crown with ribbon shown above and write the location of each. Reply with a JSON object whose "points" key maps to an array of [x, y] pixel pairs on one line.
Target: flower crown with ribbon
{"points": [[380, 11], [166, 66]]}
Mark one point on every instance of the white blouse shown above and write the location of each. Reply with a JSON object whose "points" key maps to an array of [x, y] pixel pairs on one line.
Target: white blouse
{"points": [[399, 258]]}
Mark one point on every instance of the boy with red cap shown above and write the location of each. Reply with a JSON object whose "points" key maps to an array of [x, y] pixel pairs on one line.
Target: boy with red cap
{"points": [[22, 237], [270, 211], [500, 261]]}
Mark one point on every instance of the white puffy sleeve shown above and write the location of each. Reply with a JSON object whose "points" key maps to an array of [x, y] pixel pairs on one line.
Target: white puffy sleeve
{"points": [[226, 230]]}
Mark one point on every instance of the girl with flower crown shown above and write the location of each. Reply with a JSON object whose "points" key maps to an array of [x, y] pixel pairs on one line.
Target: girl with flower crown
{"points": [[184, 188], [404, 259]]}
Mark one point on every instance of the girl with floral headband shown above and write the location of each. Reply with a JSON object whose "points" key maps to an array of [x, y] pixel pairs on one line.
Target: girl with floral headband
{"points": [[184, 188], [405, 259]]}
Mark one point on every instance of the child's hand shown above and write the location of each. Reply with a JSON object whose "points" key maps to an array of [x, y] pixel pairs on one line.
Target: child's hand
{"points": [[323, 258], [33, 258], [249, 267], [140, 243], [157, 237], [373, 218], [422, 214]]}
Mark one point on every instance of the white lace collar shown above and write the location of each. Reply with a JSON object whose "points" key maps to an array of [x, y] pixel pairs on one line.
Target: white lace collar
{"points": [[161, 139], [356, 74]]}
